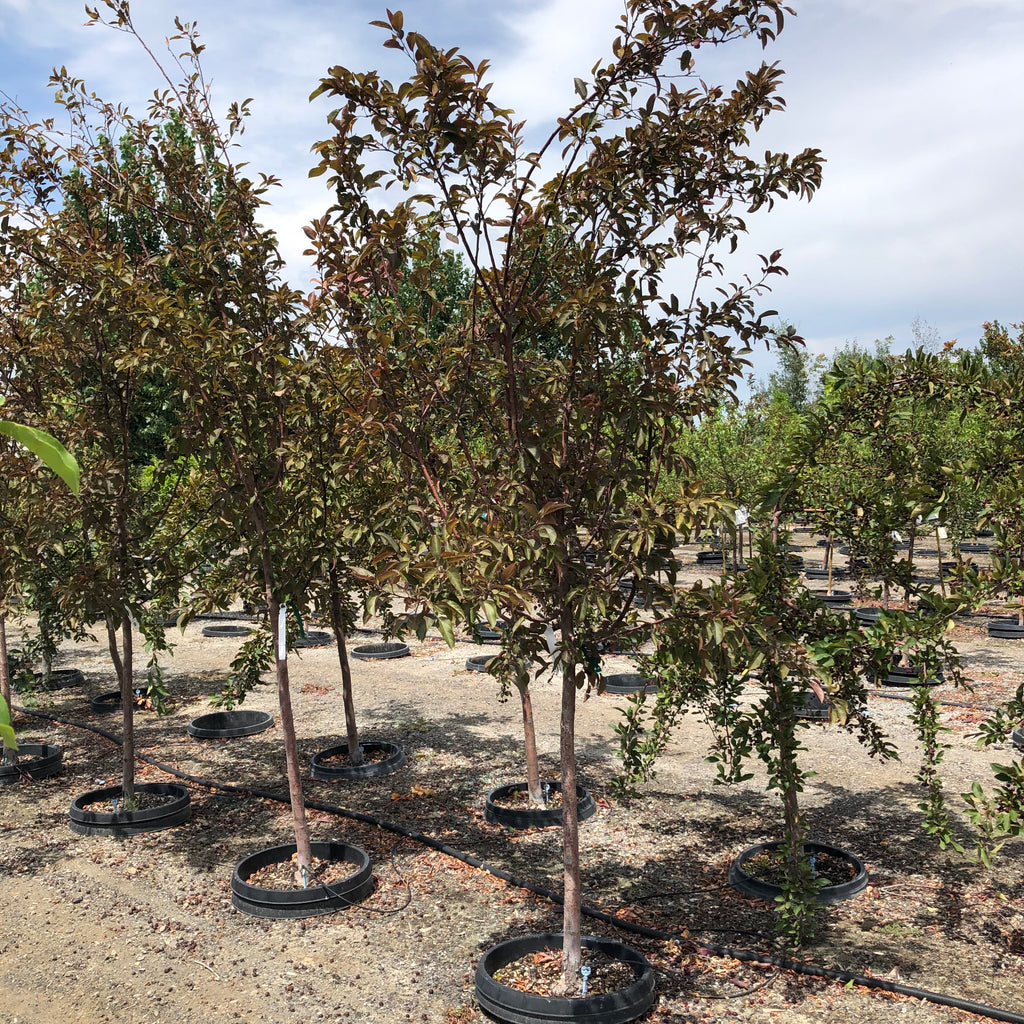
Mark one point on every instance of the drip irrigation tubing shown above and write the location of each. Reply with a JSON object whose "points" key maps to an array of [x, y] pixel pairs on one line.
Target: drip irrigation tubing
{"points": [[645, 931]]}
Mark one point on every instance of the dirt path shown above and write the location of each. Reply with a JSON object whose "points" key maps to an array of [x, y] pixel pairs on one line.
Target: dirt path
{"points": [[141, 930]]}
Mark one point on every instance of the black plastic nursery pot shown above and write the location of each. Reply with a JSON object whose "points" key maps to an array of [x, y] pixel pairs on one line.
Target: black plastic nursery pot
{"points": [[175, 811], [512, 1006], [322, 768], [868, 614], [35, 761], [1005, 628], [834, 598], [908, 675], [224, 725], [628, 682], [748, 884], [496, 812], [710, 557], [226, 632], [974, 548], [1017, 738], [314, 638], [110, 701], [486, 634], [479, 662], [812, 709], [626, 645], [313, 901], [645, 591], [376, 652], [815, 572], [60, 679]]}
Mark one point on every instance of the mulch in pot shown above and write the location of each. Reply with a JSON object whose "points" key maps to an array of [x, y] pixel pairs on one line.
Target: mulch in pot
{"points": [[371, 755], [281, 874], [541, 973], [144, 801], [770, 866], [520, 799]]}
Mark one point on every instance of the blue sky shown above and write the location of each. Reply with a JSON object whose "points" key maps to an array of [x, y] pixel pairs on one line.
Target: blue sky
{"points": [[917, 105]]}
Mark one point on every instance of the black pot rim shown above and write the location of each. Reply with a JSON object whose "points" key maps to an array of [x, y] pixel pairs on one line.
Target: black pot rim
{"points": [[108, 702], [377, 652], [60, 679], [534, 817], [749, 885], [371, 769], [35, 761], [314, 638], [127, 823], [515, 1007], [903, 676], [311, 902], [1005, 627], [479, 662], [226, 632], [629, 682], [229, 724]]}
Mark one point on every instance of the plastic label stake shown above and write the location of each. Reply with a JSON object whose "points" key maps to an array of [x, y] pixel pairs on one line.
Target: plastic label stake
{"points": [[282, 633]]}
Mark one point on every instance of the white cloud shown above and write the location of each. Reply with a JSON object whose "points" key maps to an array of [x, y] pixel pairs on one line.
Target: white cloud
{"points": [[916, 106]]}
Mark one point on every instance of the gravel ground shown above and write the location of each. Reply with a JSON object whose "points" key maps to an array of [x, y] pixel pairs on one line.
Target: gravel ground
{"points": [[142, 930]]}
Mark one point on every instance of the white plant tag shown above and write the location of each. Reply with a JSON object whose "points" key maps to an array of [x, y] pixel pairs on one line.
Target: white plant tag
{"points": [[282, 633], [549, 636]]}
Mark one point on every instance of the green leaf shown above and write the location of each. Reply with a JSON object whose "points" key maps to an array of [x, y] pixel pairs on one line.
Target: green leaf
{"points": [[6, 732], [444, 627], [46, 448]]}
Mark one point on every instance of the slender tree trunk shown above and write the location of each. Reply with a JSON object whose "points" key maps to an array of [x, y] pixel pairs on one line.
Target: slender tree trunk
{"points": [[785, 744], [530, 744], [828, 561], [355, 753], [791, 815], [5, 672], [303, 856], [7, 755], [123, 667], [571, 950], [938, 551], [910, 562]]}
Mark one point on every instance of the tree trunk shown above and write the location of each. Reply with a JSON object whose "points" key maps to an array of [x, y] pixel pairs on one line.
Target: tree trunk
{"points": [[571, 950], [938, 551], [910, 562], [530, 744], [355, 753], [284, 700], [7, 755], [791, 815], [124, 669], [5, 672]]}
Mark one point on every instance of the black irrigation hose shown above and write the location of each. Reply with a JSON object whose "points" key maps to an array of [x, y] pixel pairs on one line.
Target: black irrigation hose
{"points": [[714, 948]]}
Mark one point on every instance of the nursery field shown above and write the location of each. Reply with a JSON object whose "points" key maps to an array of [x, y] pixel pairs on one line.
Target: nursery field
{"points": [[142, 930]]}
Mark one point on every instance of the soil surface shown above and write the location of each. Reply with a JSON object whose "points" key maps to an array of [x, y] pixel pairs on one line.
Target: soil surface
{"points": [[142, 931]]}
